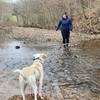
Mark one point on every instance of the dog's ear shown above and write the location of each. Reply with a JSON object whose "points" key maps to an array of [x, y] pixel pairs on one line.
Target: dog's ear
{"points": [[39, 56], [36, 56]]}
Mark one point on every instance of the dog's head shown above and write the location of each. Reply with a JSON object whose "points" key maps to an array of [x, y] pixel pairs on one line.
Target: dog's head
{"points": [[41, 56]]}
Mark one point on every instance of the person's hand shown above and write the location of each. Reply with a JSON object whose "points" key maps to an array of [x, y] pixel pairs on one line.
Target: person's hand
{"points": [[71, 30], [56, 29]]}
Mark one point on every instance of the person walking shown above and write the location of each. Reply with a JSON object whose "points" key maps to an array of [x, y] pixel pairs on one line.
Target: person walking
{"points": [[65, 25]]}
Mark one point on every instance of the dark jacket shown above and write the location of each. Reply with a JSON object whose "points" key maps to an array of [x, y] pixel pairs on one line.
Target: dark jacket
{"points": [[65, 24]]}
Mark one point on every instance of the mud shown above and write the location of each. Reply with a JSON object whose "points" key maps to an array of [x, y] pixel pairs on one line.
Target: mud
{"points": [[27, 97]]}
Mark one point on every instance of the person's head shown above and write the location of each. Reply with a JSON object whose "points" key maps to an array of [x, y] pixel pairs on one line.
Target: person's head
{"points": [[64, 15]]}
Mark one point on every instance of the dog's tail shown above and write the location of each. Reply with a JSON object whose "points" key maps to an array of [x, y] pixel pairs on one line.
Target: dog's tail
{"points": [[17, 70]]}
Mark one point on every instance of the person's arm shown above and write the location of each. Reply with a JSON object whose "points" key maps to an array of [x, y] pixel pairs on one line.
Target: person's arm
{"points": [[70, 25], [59, 24]]}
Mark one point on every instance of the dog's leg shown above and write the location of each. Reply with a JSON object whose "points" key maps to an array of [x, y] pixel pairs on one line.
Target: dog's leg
{"points": [[22, 86], [40, 84], [34, 87], [35, 91]]}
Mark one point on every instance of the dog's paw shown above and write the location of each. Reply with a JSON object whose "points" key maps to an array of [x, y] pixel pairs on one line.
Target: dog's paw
{"points": [[42, 97]]}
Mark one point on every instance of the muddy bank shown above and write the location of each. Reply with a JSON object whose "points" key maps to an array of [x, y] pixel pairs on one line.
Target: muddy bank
{"points": [[28, 97], [37, 35], [34, 35]]}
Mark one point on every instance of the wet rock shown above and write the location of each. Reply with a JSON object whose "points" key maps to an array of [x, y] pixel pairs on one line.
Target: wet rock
{"points": [[17, 47], [24, 42], [48, 40]]}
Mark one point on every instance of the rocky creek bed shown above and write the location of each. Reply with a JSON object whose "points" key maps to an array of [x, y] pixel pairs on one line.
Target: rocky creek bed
{"points": [[71, 74]]}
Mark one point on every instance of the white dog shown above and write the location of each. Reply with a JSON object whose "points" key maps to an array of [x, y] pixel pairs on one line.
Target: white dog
{"points": [[30, 75]]}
